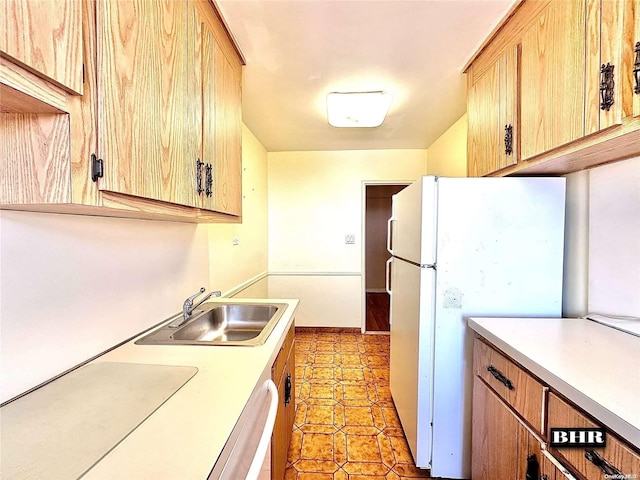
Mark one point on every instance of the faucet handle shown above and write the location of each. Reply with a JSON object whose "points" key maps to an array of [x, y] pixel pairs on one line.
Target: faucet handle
{"points": [[192, 297]]}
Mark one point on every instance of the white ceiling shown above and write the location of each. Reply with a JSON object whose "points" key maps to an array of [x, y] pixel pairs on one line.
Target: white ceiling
{"points": [[297, 51]]}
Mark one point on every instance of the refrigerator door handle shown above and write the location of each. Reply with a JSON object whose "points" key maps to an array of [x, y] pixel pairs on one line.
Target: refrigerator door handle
{"points": [[389, 225], [387, 276]]}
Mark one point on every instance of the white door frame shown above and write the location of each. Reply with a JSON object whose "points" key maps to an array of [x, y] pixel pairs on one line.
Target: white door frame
{"points": [[363, 233]]}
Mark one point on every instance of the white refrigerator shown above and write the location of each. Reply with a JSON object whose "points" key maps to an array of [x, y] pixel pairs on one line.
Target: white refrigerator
{"points": [[463, 247]]}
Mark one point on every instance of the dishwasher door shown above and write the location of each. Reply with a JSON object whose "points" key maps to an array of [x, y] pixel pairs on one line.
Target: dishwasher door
{"points": [[247, 453]]}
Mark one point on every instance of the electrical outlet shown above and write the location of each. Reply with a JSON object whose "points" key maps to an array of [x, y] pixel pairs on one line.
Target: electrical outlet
{"points": [[235, 241], [350, 239]]}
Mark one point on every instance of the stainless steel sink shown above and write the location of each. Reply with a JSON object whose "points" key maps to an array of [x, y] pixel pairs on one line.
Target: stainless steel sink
{"points": [[244, 324]]}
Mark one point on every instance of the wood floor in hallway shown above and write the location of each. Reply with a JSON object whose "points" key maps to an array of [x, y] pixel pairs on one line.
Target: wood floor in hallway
{"points": [[346, 425], [377, 312]]}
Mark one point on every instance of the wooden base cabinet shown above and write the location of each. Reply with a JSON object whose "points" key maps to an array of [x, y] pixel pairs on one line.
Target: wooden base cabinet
{"points": [[494, 441], [502, 446], [505, 444], [283, 375], [615, 458]]}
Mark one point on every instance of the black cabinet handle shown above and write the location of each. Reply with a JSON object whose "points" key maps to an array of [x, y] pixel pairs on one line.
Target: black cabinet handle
{"points": [[508, 139], [199, 166], [287, 389], [97, 167], [532, 468], [636, 69], [607, 85], [500, 377], [601, 463], [209, 180]]}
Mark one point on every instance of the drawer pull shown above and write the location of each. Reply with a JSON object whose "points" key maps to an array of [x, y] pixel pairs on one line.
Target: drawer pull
{"points": [[500, 377], [532, 468], [287, 390], [601, 463]]}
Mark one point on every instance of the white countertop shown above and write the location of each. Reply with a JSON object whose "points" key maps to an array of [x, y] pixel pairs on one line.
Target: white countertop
{"points": [[595, 366], [185, 435]]}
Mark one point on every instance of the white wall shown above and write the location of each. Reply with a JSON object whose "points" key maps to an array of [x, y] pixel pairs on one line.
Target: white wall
{"points": [[315, 198], [233, 265], [614, 239], [447, 156], [576, 246], [73, 286]]}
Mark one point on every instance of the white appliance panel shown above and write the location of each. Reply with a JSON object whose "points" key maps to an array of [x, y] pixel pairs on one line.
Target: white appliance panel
{"points": [[413, 222], [498, 248], [412, 353]]}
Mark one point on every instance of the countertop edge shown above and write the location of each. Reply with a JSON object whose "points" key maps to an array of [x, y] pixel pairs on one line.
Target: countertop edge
{"points": [[125, 452], [600, 412]]}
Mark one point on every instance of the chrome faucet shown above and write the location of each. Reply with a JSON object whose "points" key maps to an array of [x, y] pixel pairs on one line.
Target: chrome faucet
{"points": [[188, 307]]}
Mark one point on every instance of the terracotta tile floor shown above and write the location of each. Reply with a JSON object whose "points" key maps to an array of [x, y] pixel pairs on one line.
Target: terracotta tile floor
{"points": [[346, 426]]}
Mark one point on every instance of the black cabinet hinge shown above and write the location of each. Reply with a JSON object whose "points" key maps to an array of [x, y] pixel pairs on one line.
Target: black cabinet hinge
{"points": [[97, 168]]}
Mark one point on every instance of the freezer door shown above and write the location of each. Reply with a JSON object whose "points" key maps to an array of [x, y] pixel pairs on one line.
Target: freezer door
{"points": [[413, 222], [411, 364]]}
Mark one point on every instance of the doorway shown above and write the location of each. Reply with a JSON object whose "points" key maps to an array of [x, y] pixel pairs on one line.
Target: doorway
{"points": [[377, 211]]}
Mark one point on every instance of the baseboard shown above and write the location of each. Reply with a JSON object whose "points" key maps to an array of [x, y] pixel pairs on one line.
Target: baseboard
{"points": [[327, 330]]}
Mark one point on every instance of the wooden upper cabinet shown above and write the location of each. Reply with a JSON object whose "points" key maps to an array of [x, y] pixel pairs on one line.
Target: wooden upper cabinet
{"points": [[576, 100], [604, 69], [46, 38], [553, 78], [492, 107], [631, 53], [228, 135], [161, 109], [220, 136], [143, 100]]}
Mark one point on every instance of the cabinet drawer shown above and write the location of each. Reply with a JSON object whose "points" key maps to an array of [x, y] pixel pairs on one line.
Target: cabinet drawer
{"points": [[616, 454], [519, 389], [283, 355]]}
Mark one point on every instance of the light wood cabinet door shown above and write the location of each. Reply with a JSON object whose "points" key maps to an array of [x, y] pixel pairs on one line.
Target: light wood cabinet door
{"points": [[493, 125], [631, 59], [616, 455], [604, 41], [143, 99], [494, 438], [208, 135], [553, 78], [219, 139], [283, 427], [529, 455], [45, 37], [283, 374], [228, 135]]}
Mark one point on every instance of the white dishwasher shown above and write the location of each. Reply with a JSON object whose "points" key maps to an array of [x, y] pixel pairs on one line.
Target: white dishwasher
{"points": [[246, 455]]}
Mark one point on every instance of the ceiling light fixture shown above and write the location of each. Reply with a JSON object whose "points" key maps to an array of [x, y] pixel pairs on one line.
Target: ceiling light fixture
{"points": [[357, 109]]}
